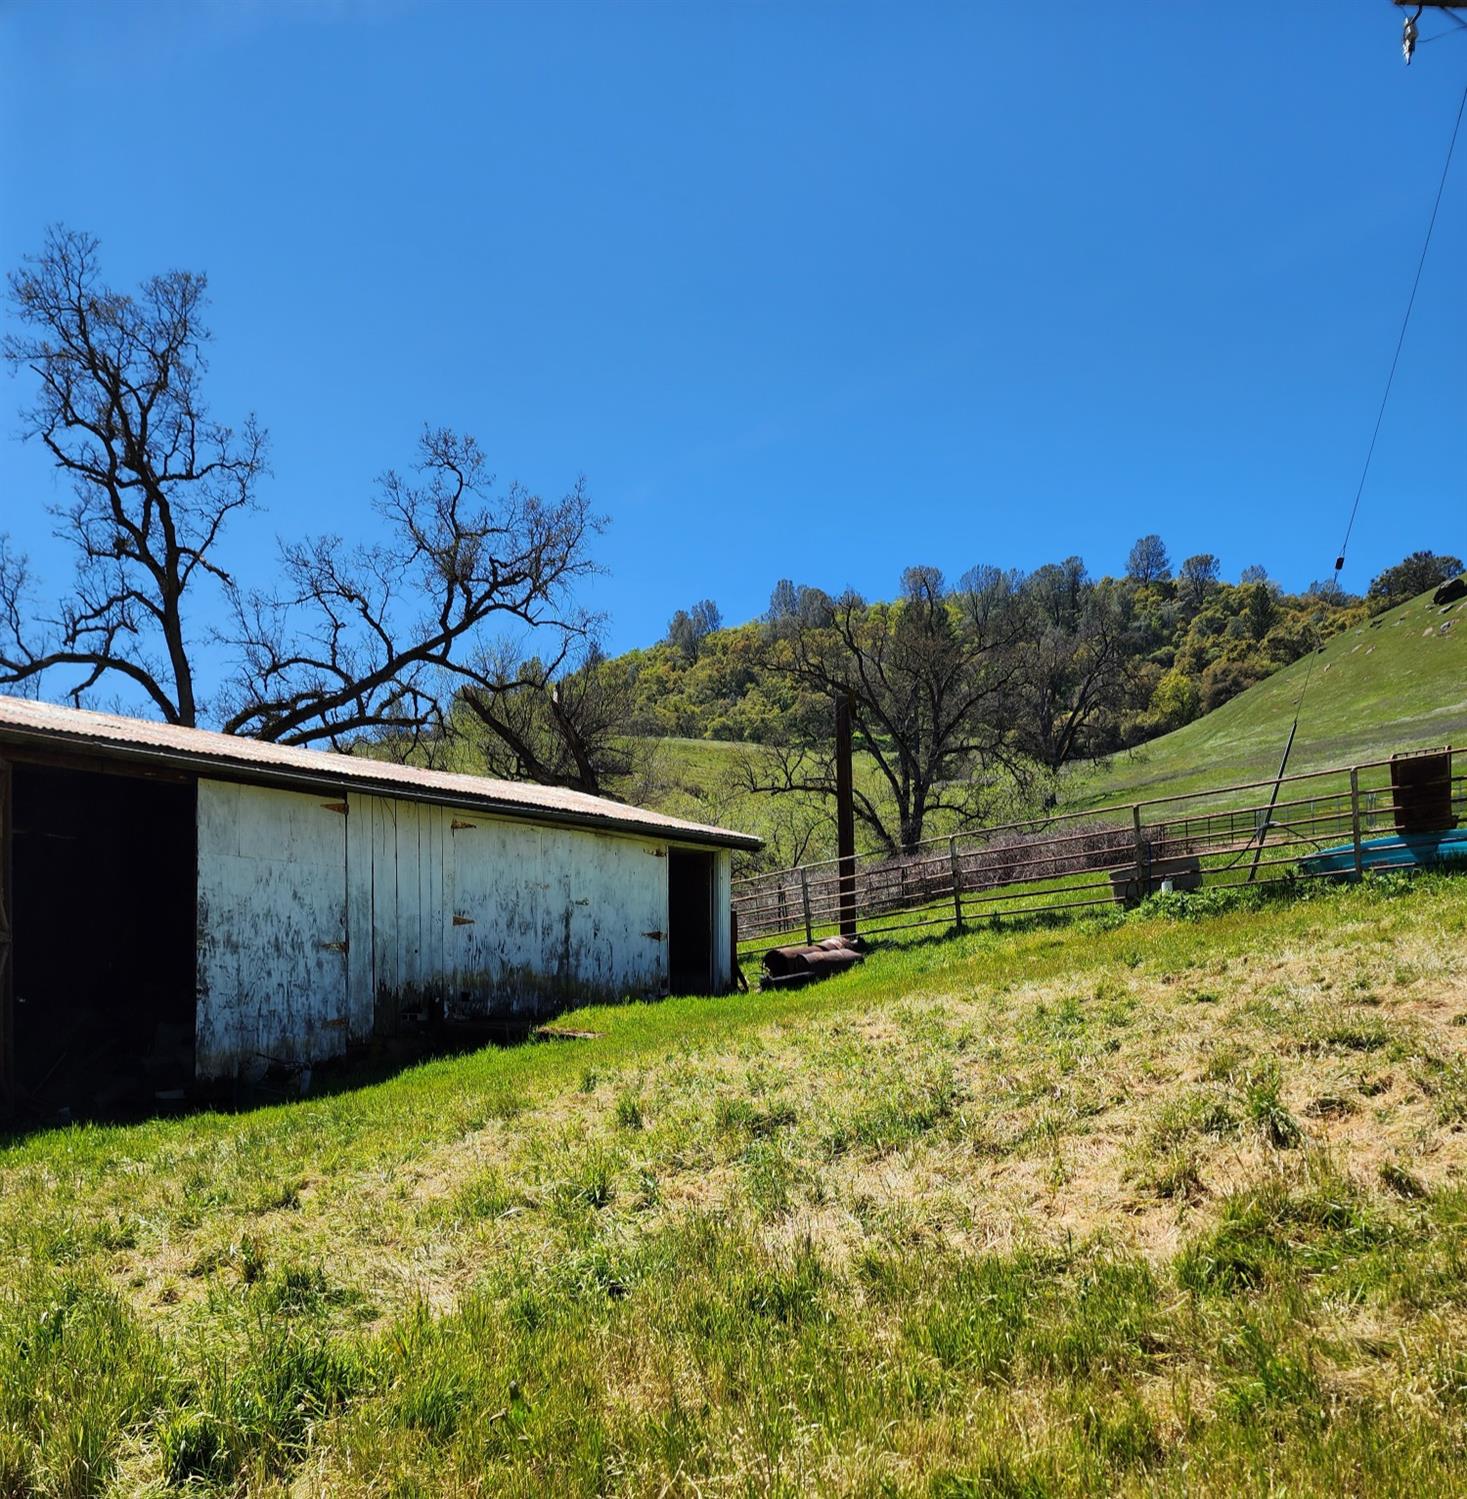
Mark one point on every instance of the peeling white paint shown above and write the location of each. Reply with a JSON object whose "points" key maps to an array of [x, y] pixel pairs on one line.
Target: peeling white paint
{"points": [[317, 929], [400, 909], [271, 929], [555, 914]]}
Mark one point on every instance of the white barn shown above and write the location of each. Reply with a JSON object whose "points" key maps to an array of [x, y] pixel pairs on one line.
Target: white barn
{"points": [[179, 907]]}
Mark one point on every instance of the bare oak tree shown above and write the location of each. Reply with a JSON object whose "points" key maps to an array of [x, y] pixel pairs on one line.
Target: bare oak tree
{"points": [[372, 638], [927, 678], [1072, 668], [154, 479], [376, 637], [560, 723]]}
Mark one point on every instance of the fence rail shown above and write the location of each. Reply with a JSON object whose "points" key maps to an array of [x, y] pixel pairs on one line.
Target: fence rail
{"points": [[1324, 824]]}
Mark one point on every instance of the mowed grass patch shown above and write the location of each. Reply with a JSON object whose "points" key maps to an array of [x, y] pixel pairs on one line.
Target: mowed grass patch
{"points": [[1160, 1204]]}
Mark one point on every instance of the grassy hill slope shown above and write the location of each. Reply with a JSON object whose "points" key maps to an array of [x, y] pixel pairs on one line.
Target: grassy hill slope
{"points": [[1397, 683], [1143, 1205]]}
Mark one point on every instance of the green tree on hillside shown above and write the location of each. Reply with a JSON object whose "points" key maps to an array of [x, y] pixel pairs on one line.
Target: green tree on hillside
{"points": [[689, 628], [1410, 576], [1197, 576], [1148, 561]]}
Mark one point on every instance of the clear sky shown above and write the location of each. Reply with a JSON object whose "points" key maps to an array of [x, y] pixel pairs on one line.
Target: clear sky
{"points": [[806, 290]]}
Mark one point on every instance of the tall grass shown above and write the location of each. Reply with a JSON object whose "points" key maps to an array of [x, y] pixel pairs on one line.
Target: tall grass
{"points": [[830, 1242]]}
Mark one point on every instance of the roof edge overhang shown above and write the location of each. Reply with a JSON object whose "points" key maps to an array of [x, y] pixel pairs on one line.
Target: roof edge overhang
{"points": [[222, 767]]}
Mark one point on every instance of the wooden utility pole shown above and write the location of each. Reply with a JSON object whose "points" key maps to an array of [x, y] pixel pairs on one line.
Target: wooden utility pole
{"points": [[845, 815]]}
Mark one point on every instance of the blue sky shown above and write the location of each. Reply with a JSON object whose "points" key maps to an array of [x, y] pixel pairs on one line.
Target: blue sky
{"points": [[804, 290]]}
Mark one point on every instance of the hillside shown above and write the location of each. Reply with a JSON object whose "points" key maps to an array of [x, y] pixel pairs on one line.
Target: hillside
{"points": [[1393, 683], [1397, 682], [700, 779], [1141, 1206]]}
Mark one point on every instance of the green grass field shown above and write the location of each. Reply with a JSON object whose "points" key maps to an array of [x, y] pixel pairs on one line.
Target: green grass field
{"points": [[1396, 683], [1166, 1203]]}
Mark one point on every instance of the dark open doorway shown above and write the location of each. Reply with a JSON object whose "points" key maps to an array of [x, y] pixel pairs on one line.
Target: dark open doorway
{"points": [[689, 922], [102, 907]]}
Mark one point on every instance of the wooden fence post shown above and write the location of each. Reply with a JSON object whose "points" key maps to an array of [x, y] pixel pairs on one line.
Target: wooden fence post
{"points": [[1143, 858], [957, 864], [1355, 823], [805, 900]]}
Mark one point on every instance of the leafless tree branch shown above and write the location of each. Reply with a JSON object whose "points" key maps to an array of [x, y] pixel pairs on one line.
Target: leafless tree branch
{"points": [[154, 479]]}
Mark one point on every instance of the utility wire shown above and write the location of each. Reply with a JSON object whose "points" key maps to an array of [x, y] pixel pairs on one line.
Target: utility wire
{"points": [[1262, 832], [1400, 341], [1453, 17]]}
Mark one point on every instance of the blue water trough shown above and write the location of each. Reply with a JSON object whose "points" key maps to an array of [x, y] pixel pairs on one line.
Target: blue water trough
{"points": [[1398, 851]]}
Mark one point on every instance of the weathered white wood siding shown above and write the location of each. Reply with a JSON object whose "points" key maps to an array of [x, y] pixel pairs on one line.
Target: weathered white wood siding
{"points": [[545, 915], [271, 929], [400, 872], [318, 928]]}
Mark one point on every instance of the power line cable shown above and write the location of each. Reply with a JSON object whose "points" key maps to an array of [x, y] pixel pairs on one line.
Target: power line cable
{"points": [[1400, 341], [1365, 471]]}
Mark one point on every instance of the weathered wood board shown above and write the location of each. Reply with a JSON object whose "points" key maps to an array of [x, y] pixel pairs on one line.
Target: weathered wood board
{"points": [[272, 954], [320, 924]]}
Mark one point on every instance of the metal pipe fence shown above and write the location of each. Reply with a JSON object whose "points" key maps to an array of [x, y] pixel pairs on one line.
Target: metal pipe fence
{"points": [[1323, 824]]}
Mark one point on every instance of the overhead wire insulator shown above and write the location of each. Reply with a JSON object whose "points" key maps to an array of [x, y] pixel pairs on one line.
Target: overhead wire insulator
{"points": [[1409, 34]]}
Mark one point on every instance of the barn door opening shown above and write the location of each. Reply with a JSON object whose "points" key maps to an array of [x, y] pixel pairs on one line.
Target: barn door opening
{"points": [[689, 922], [102, 919]]}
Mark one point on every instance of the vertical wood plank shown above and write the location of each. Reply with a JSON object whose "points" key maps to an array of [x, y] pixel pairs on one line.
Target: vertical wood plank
{"points": [[436, 954], [385, 968], [360, 918], [7, 947], [409, 906], [445, 921]]}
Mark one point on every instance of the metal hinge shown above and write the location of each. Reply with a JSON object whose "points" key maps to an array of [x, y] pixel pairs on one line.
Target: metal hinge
{"points": [[333, 947], [655, 936], [658, 853], [341, 807], [457, 827], [462, 920]]}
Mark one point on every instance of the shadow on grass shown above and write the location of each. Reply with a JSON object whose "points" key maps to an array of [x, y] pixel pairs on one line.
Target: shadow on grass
{"points": [[280, 1085]]}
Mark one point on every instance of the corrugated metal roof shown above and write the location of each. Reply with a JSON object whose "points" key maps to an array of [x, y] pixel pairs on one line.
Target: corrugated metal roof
{"points": [[202, 750]]}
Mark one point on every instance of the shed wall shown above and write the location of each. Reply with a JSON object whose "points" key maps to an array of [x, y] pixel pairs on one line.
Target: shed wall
{"points": [[400, 883], [318, 927], [271, 929], [543, 915]]}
